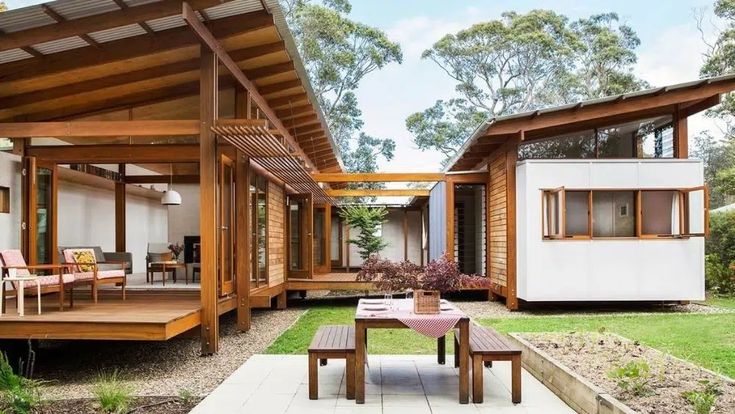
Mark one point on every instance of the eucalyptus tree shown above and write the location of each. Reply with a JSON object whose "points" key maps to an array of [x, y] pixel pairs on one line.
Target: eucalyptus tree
{"points": [[522, 62], [339, 53]]}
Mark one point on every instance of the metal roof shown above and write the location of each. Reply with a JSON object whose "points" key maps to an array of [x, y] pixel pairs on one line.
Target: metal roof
{"points": [[483, 128], [34, 16]]}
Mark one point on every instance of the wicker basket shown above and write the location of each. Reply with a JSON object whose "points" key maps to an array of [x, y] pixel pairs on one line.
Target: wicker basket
{"points": [[426, 301]]}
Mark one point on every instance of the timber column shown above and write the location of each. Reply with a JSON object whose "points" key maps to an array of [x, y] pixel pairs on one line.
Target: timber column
{"points": [[208, 91]]}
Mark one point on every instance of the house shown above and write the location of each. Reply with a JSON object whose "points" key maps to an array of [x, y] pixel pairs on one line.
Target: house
{"points": [[591, 201]]}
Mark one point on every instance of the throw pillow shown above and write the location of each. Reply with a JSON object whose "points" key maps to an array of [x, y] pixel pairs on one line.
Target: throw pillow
{"points": [[85, 259]]}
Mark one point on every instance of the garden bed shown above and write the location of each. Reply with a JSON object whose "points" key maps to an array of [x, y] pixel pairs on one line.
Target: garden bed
{"points": [[148, 405], [588, 359]]}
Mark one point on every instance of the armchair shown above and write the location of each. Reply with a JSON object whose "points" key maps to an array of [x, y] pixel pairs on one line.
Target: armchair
{"points": [[61, 280], [87, 270]]}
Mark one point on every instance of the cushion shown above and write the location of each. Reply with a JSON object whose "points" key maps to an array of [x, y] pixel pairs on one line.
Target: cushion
{"points": [[84, 256], [15, 258], [49, 280], [101, 274]]}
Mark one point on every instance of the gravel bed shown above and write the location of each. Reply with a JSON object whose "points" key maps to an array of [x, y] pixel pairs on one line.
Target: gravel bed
{"points": [[594, 355], [157, 368], [147, 405]]}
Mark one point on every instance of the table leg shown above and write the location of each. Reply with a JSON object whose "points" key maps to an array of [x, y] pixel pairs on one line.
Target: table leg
{"points": [[19, 297], [38, 293], [464, 363], [163, 276], [441, 350], [2, 297], [360, 350]]}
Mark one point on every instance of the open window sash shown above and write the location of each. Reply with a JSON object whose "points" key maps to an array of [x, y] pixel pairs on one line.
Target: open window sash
{"points": [[694, 212], [553, 213]]}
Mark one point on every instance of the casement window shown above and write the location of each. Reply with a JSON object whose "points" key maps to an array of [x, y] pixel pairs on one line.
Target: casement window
{"points": [[645, 213]]}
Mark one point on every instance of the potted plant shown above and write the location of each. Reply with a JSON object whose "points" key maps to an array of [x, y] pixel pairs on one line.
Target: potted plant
{"points": [[176, 250]]}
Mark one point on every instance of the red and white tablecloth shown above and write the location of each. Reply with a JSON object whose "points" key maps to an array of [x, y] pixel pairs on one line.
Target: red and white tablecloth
{"points": [[431, 325]]}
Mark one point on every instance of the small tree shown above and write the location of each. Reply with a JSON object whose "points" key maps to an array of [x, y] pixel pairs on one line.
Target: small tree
{"points": [[368, 220]]}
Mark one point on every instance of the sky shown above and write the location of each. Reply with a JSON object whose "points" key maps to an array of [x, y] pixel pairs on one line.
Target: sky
{"points": [[670, 52]]}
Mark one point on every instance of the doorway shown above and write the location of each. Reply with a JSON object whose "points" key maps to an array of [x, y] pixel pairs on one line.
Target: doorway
{"points": [[300, 229]]}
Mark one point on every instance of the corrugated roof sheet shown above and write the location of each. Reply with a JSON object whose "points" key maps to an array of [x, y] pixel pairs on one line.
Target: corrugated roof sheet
{"points": [[232, 8], [165, 23], [76, 9], [117, 33], [60, 45], [12, 55], [23, 19]]}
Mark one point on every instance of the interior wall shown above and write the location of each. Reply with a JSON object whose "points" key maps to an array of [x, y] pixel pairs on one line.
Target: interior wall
{"points": [[10, 167], [392, 233], [183, 219], [86, 217]]}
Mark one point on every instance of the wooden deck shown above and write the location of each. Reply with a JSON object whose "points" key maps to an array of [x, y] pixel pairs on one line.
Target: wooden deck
{"points": [[329, 281], [143, 316]]}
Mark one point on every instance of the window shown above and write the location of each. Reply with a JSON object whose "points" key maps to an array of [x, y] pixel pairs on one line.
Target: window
{"points": [[4, 199], [642, 138], [654, 213], [259, 240]]}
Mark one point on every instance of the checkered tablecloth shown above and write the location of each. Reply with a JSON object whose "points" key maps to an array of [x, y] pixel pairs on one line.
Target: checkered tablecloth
{"points": [[431, 325]]}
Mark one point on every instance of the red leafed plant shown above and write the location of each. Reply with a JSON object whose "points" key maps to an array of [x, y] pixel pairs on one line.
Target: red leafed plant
{"points": [[441, 274]]}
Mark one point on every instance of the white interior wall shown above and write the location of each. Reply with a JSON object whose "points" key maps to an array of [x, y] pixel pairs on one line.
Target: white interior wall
{"points": [[589, 270], [393, 234], [10, 167]]}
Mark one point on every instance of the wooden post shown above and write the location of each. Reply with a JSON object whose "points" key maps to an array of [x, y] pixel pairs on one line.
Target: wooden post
{"points": [[405, 234], [511, 157], [242, 242], [120, 211], [450, 218], [208, 200], [681, 136], [29, 225], [54, 216]]}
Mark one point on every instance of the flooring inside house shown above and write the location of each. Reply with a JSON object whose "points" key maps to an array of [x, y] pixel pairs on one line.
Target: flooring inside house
{"points": [[405, 384]]}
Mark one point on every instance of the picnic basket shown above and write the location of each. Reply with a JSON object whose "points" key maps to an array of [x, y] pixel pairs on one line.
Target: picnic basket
{"points": [[426, 301]]}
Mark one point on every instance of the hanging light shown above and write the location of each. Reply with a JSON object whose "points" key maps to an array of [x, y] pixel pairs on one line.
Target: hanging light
{"points": [[171, 197]]}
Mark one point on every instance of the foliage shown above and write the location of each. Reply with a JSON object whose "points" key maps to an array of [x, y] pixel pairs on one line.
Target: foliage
{"points": [[368, 221], [720, 58], [717, 155], [3, 6], [720, 253], [522, 62], [704, 399], [112, 394], [440, 274], [186, 396], [18, 394], [338, 53], [633, 377]]}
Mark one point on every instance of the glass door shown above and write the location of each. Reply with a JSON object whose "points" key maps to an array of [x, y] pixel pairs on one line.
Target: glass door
{"points": [[41, 220], [226, 225], [259, 231], [322, 238], [300, 228]]}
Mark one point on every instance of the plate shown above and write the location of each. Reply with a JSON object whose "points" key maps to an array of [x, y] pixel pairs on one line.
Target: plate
{"points": [[375, 307], [373, 301], [446, 308]]}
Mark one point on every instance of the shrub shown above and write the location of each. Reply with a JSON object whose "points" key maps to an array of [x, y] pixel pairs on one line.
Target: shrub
{"points": [[720, 249], [19, 395], [112, 394], [703, 400], [633, 377], [368, 220], [186, 396]]}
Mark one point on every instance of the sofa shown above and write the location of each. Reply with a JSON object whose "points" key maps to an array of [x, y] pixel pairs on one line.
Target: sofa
{"points": [[101, 256]]}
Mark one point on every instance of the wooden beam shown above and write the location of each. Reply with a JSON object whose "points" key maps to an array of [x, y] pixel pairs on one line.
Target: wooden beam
{"points": [[699, 106], [98, 22], [130, 48], [120, 235], [376, 177], [288, 101], [267, 71], [127, 77], [116, 154], [211, 42], [208, 200], [383, 192], [511, 300], [278, 87], [681, 135], [294, 111], [161, 179], [99, 128]]}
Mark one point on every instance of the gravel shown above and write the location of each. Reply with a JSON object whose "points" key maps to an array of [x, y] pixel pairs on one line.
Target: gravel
{"points": [[594, 355], [157, 368]]}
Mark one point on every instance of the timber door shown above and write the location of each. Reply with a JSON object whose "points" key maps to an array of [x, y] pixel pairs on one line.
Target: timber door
{"points": [[322, 239], [40, 219], [300, 230], [226, 266]]}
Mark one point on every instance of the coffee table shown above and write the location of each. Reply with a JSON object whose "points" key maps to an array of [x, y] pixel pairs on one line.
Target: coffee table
{"points": [[167, 266], [20, 293]]}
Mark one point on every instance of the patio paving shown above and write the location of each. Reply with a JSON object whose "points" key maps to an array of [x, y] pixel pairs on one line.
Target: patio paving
{"points": [[405, 384]]}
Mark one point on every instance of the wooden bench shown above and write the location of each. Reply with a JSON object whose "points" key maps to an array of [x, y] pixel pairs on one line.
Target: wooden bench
{"points": [[330, 342], [487, 345]]}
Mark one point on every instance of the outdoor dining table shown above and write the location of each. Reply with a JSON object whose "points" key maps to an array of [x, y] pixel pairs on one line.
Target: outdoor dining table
{"points": [[401, 315]]}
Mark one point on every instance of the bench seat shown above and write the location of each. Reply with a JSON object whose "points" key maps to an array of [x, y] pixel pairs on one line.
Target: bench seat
{"points": [[487, 345], [332, 342]]}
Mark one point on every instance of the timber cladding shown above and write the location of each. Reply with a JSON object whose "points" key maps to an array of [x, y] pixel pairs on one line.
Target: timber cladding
{"points": [[498, 215], [276, 242]]}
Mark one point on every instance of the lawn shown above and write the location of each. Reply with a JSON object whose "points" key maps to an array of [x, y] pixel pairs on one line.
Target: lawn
{"points": [[705, 339], [722, 302]]}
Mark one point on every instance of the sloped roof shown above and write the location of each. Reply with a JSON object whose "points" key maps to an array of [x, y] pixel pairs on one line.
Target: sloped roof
{"points": [[495, 131], [67, 58]]}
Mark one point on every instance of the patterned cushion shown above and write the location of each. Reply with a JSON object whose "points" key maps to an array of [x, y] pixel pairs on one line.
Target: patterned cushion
{"points": [[49, 280], [101, 274], [15, 258], [84, 256]]}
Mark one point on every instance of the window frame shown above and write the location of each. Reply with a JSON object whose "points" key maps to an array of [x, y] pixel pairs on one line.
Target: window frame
{"points": [[683, 214]]}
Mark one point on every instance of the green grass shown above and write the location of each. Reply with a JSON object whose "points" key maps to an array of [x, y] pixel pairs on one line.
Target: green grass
{"points": [[380, 341], [722, 302], [707, 340]]}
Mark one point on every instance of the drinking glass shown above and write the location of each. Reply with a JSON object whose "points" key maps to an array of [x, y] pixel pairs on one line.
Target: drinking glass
{"points": [[388, 299]]}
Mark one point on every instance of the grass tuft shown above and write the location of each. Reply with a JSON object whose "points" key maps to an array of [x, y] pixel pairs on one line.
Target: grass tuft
{"points": [[113, 395]]}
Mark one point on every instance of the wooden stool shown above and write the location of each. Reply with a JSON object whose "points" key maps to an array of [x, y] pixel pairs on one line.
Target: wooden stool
{"points": [[487, 345], [332, 341]]}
